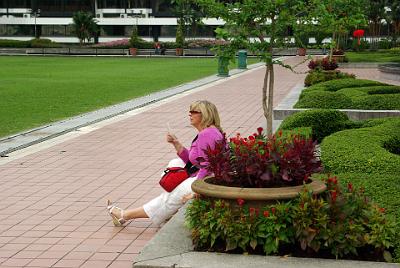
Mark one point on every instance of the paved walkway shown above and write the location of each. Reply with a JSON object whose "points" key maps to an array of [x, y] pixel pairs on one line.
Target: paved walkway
{"points": [[53, 195]]}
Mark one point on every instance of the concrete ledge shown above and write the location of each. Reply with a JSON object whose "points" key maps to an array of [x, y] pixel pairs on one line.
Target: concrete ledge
{"points": [[281, 114], [172, 247]]}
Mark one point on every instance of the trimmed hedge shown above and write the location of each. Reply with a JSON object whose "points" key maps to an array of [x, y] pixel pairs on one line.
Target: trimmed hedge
{"points": [[365, 153], [14, 43], [369, 157], [322, 122], [315, 77], [324, 100], [362, 150], [351, 94], [35, 43]]}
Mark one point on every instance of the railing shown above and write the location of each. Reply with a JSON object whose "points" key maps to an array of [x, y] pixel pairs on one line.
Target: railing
{"points": [[142, 52]]}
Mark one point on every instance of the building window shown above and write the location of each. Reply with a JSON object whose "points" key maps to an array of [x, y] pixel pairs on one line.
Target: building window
{"points": [[116, 30], [17, 30], [53, 30], [19, 4], [111, 4], [3, 30]]}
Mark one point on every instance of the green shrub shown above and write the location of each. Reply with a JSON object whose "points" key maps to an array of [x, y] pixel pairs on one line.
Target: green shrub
{"points": [[369, 157], [324, 100], [14, 43], [351, 94], [378, 102], [362, 150], [335, 85], [315, 77], [39, 43], [385, 44], [395, 50], [322, 122]]}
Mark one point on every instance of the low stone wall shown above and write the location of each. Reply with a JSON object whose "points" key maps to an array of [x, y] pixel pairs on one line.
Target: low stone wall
{"points": [[281, 114]]}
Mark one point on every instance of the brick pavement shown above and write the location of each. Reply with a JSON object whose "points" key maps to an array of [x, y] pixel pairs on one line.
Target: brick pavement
{"points": [[52, 202]]}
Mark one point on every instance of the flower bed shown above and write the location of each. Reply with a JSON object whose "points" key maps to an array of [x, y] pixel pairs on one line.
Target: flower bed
{"points": [[351, 94], [339, 224]]}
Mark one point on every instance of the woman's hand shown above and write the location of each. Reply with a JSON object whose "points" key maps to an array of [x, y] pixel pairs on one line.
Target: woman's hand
{"points": [[171, 138]]}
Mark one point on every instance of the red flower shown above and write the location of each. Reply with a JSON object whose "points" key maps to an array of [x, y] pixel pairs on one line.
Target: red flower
{"points": [[350, 187], [259, 130], [382, 210], [240, 202], [252, 211], [273, 210], [334, 196], [266, 213], [358, 33]]}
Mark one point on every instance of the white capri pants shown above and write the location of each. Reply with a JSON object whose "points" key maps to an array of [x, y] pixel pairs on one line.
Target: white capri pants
{"points": [[167, 204]]}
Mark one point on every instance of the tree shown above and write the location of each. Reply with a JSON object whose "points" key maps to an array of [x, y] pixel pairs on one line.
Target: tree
{"points": [[258, 25], [85, 26], [188, 14], [338, 17], [375, 13], [394, 18]]}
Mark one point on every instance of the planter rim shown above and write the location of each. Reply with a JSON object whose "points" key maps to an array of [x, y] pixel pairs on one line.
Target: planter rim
{"points": [[279, 193]]}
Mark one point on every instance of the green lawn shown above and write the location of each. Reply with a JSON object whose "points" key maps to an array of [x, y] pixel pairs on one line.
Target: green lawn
{"points": [[373, 56], [39, 90]]}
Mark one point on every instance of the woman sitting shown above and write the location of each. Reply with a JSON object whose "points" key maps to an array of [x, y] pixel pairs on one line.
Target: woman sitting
{"points": [[204, 117]]}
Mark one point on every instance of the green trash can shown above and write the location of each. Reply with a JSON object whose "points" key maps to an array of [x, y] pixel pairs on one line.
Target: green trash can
{"points": [[242, 59], [223, 67]]}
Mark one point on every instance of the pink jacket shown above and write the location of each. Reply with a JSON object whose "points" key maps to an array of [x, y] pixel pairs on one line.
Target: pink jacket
{"points": [[206, 138]]}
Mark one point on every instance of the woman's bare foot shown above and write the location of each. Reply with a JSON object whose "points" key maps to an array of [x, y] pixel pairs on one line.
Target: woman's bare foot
{"points": [[187, 197]]}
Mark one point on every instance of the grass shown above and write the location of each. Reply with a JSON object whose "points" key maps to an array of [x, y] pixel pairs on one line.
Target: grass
{"points": [[38, 90], [373, 56]]}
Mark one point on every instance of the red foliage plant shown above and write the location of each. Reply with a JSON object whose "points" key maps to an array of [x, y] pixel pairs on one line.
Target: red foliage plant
{"points": [[258, 162], [324, 64]]}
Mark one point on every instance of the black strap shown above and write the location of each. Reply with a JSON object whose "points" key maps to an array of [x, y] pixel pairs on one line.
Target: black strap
{"points": [[190, 168]]}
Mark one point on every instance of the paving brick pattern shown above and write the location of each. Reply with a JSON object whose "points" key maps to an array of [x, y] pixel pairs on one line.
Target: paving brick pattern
{"points": [[52, 202]]}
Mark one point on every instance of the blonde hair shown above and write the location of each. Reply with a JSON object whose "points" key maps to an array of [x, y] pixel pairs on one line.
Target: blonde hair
{"points": [[209, 113]]}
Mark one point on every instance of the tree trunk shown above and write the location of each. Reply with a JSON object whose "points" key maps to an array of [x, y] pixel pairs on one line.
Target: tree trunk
{"points": [[270, 118], [265, 93], [331, 50]]}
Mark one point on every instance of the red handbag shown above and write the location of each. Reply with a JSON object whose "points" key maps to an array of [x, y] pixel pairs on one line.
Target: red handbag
{"points": [[173, 176]]}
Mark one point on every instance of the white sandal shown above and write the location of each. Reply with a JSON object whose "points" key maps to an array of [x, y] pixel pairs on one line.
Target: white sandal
{"points": [[117, 222]]}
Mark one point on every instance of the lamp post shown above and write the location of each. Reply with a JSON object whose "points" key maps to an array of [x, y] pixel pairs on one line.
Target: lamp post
{"points": [[35, 14]]}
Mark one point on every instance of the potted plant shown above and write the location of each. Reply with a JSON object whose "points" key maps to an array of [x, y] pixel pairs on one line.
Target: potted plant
{"points": [[180, 40], [134, 42], [301, 40], [259, 169]]}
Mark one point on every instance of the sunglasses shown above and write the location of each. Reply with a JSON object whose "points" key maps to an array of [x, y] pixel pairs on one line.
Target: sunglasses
{"points": [[194, 112]]}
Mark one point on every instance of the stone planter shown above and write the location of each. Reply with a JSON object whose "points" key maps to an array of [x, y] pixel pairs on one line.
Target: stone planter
{"points": [[133, 51], [256, 197], [301, 51], [338, 58], [179, 51]]}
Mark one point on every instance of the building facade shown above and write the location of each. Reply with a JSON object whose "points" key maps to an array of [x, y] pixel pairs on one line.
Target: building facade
{"points": [[52, 19]]}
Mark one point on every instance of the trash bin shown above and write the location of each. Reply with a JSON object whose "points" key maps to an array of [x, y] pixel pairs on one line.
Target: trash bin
{"points": [[242, 59], [223, 67]]}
